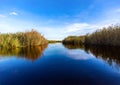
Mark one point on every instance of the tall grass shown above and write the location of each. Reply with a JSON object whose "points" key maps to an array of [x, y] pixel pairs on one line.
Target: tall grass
{"points": [[105, 36], [22, 39], [74, 40], [54, 41]]}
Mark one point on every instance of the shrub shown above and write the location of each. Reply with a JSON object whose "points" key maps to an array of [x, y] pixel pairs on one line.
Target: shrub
{"points": [[22, 39]]}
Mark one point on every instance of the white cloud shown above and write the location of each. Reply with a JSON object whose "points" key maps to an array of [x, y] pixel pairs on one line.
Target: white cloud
{"points": [[117, 10], [75, 27], [5, 27], [2, 16], [13, 13], [61, 31], [80, 28]]}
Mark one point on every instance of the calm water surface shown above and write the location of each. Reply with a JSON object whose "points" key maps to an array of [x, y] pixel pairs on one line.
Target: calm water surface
{"points": [[56, 64]]}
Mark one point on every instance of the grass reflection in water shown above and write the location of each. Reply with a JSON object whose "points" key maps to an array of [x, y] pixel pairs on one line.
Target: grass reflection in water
{"points": [[109, 54], [30, 53]]}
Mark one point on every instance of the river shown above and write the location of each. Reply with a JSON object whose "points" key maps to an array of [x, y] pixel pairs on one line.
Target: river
{"points": [[56, 64]]}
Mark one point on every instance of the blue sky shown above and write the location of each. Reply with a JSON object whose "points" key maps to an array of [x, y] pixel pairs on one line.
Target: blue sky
{"points": [[56, 19]]}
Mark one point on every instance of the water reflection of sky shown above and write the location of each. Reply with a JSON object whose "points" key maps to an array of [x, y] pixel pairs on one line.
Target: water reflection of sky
{"points": [[59, 66], [78, 54]]}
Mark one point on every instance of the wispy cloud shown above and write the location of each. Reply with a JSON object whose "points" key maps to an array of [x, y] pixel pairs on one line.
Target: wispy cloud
{"points": [[2, 16], [55, 28], [79, 28], [13, 13], [75, 27], [117, 10]]}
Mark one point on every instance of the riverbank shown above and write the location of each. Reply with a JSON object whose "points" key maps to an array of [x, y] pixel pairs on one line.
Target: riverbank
{"points": [[54, 41], [22, 39], [108, 36]]}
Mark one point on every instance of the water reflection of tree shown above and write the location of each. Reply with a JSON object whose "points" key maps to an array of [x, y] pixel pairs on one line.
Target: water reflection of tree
{"points": [[31, 53], [109, 54]]}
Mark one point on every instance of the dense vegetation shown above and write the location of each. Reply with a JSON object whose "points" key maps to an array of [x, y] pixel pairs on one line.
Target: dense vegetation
{"points": [[21, 39], [54, 41], [74, 40], [30, 53], [106, 36]]}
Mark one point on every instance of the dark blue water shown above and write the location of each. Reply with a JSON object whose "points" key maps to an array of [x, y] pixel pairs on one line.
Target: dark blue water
{"points": [[58, 65]]}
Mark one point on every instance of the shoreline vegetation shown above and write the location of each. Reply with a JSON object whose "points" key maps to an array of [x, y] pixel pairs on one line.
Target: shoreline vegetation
{"points": [[22, 39], [108, 36], [54, 41]]}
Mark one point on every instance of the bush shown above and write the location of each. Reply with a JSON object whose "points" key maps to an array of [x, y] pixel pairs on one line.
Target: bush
{"points": [[22, 39], [74, 40]]}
